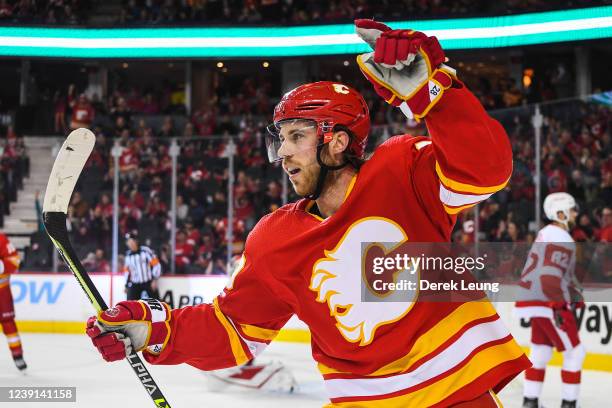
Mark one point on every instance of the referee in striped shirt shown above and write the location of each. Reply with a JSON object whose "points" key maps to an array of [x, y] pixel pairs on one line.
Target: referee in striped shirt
{"points": [[143, 269]]}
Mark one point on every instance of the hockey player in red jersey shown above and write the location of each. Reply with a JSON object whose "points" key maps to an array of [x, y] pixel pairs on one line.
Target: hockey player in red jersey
{"points": [[304, 258], [548, 292], [9, 263]]}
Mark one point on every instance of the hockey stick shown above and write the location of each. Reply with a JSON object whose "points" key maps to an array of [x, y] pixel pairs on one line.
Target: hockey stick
{"points": [[66, 171]]}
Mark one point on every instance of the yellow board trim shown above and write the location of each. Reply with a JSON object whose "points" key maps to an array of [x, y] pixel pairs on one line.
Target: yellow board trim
{"points": [[36, 326], [235, 342], [467, 188]]}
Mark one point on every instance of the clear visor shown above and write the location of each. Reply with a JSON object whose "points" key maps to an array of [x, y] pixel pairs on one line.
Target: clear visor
{"points": [[291, 136]]}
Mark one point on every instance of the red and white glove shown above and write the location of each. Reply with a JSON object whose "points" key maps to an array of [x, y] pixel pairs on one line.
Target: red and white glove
{"points": [[564, 318], [406, 68], [130, 326]]}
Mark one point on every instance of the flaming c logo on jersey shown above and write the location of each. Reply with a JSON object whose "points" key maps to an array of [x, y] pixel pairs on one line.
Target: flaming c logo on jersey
{"points": [[112, 312], [337, 279]]}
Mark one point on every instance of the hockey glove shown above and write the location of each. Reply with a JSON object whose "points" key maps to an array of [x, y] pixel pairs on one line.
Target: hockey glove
{"points": [[130, 326], [564, 318], [406, 67]]}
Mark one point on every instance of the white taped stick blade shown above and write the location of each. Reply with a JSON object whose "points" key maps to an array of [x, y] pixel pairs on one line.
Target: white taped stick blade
{"points": [[67, 168]]}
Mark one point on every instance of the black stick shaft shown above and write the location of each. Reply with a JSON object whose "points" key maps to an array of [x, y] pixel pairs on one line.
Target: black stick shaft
{"points": [[55, 224]]}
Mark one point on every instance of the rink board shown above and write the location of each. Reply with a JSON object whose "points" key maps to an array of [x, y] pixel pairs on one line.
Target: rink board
{"points": [[54, 303]]}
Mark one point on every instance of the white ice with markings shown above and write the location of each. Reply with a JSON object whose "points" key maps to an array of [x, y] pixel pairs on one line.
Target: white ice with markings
{"points": [[70, 360]]}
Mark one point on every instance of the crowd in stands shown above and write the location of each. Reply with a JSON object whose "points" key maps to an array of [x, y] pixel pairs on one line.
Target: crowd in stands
{"points": [[222, 12], [576, 157], [60, 12], [144, 125], [73, 110], [145, 171], [323, 11], [14, 167]]}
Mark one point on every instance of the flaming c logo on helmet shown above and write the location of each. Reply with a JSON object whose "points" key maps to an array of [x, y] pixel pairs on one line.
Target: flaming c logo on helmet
{"points": [[337, 280], [343, 89]]}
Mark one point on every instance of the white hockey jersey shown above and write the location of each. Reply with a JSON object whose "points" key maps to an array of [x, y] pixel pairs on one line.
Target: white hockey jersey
{"points": [[549, 273]]}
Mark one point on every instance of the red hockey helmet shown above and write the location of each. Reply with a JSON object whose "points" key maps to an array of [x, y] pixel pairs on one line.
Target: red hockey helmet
{"points": [[328, 104]]}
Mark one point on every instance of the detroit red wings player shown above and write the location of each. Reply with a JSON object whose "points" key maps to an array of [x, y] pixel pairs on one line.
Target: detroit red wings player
{"points": [[304, 258], [547, 292], [9, 263]]}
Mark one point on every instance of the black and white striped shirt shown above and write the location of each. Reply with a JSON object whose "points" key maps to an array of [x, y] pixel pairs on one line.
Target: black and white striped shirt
{"points": [[142, 265]]}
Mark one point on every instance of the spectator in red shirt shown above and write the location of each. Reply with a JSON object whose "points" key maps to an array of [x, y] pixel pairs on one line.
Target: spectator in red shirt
{"points": [[105, 205], [82, 113], [156, 207], [557, 181], [95, 262], [583, 231], [102, 264], [128, 162], [193, 235], [184, 252]]}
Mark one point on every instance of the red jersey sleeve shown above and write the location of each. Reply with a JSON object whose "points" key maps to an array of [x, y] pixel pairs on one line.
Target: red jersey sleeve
{"points": [[9, 258], [469, 157], [234, 328]]}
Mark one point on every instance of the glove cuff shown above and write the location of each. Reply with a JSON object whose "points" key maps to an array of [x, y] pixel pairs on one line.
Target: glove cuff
{"points": [[147, 323], [159, 315], [427, 95]]}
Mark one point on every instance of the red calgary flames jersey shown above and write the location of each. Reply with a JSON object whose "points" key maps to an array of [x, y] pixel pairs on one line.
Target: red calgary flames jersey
{"points": [[401, 354], [9, 260]]}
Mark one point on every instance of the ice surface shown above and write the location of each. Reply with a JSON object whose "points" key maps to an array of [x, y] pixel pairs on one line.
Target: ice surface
{"points": [[70, 360]]}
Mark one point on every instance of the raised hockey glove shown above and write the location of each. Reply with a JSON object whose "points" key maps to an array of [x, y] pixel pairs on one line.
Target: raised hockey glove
{"points": [[130, 326], [406, 68]]}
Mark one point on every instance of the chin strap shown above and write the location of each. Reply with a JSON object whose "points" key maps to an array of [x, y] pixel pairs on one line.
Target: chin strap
{"points": [[325, 169]]}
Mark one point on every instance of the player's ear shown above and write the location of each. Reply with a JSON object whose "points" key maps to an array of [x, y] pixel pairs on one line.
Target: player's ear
{"points": [[339, 142]]}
